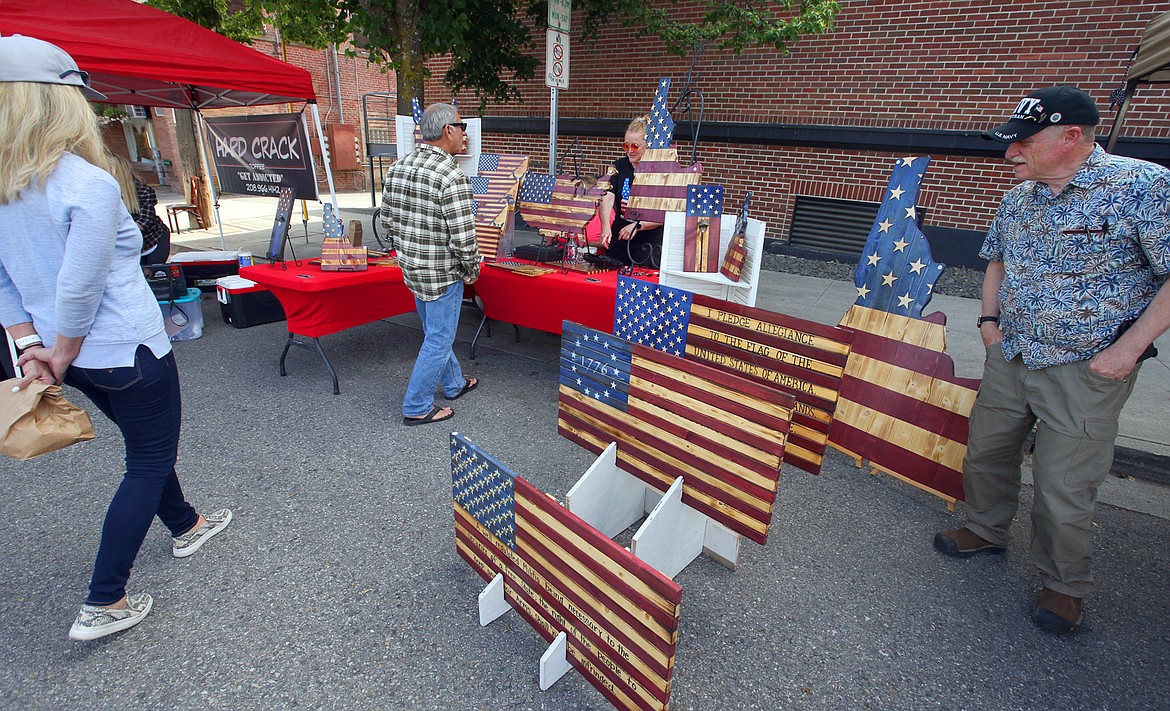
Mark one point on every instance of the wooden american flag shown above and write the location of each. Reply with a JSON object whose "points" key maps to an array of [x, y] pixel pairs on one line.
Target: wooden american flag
{"points": [[494, 189], [556, 205], [733, 261], [791, 356], [671, 417], [660, 185], [620, 616], [902, 408], [702, 228]]}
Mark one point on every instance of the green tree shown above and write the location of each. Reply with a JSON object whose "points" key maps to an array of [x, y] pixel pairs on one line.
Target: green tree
{"points": [[491, 42]]}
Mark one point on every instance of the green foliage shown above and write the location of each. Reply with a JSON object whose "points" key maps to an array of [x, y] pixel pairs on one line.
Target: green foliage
{"points": [[734, 25], [315, 23], [490, 42]]}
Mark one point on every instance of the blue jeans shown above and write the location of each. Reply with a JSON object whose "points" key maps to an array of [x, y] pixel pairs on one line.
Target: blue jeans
{"points": [[436, 363], [143, 401]]}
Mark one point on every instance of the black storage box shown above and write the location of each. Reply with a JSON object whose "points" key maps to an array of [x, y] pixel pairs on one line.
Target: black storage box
{"points": [[202, 268], [243, 303]]}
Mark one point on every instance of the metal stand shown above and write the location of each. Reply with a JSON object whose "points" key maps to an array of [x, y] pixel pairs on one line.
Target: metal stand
{"points": [[484, 326], [314, 345]]}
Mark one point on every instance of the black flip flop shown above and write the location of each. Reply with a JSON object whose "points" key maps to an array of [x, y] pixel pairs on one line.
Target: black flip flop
{"points": [[468, 386], [431, 416]]}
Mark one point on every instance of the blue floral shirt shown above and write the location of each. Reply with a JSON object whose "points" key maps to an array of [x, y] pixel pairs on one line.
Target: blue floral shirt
{"points": [[1079, 265]]}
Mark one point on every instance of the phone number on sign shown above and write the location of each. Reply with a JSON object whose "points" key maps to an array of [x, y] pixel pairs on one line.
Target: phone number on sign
{"points": [[259, 189]]}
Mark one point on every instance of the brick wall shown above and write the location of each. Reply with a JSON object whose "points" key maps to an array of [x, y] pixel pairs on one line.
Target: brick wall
{"points": [[917, 64]]}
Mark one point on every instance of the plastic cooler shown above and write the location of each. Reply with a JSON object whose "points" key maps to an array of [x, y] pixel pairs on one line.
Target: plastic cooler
{"points": [[244, 303], [183, 317], [203, 268]]}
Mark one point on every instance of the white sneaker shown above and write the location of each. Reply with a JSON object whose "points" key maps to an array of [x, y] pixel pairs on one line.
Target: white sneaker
{"points": [[94, 622], [192, 540]]}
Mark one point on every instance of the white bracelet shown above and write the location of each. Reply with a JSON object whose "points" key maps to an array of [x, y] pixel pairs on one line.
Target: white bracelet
{"points": [[25, 342]]}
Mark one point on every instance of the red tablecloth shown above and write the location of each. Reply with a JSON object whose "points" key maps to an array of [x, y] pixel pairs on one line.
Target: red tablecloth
{"points": [[319, 303], [545, 301]]}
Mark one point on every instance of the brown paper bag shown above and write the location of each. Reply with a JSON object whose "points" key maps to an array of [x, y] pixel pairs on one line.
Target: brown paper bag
{"points": [[38, 419]]}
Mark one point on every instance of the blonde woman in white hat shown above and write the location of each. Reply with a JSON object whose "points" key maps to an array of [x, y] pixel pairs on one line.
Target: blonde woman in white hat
{"points": [[73, 297]]}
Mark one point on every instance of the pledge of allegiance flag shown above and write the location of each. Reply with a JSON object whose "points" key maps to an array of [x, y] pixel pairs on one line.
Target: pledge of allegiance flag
{"points": [[563, 204], [896, 272], [671, 417], [619, 615], [701, 234], [791, 357]]}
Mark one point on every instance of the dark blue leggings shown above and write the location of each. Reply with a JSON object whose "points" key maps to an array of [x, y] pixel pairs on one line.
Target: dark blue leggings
{"points": [[144, 401]]}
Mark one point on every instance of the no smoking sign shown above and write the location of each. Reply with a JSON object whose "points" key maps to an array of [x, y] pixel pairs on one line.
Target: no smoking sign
{"points": [[556, 66]]}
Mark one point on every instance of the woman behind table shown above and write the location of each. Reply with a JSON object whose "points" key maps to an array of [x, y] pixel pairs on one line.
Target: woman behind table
{"points": [[73, 297], [140, 200], [637, 243]]}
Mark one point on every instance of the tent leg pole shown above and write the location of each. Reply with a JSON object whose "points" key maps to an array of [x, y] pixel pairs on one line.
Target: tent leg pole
{"points": [[210, 178], [1115, 130], [325, 155]]}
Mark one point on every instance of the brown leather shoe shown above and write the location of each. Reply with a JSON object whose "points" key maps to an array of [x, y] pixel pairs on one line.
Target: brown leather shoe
{"points": [[962, 543], [1056, 612]]}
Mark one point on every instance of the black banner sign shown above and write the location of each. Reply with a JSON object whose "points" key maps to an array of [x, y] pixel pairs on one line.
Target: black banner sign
{"points": [[258, 155]]}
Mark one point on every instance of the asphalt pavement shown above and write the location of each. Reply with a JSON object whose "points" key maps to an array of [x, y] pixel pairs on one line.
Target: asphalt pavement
{"points": [[337, 585]]}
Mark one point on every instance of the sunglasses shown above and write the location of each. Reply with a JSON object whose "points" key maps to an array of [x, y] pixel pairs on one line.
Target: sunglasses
{"points": [[461, 125], [631, 146]]}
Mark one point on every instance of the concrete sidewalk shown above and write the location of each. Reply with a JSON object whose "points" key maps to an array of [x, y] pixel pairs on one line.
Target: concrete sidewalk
{"points": [[247, 224], [338, 585]]}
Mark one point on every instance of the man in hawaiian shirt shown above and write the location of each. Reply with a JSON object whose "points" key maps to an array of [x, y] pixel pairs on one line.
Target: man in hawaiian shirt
{"points": [[1074, 295]]}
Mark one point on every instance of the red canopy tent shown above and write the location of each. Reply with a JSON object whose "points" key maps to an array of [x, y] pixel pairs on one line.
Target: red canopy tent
{"points": [[136, 54]]}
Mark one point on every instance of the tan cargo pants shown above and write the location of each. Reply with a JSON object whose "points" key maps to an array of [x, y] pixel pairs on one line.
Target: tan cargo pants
{"points": [[1075, 412]]}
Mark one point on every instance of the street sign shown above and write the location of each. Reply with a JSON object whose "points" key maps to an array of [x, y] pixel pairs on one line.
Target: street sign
{"points": [[559, 14], [556, 66]]}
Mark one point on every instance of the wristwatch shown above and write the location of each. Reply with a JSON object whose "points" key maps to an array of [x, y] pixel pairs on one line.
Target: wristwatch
{"points": [[987, 319]]}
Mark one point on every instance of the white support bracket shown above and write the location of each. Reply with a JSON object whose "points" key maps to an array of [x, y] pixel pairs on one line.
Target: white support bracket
{"points": [[492, 604], [608, 498], [674, 534], [554, 662]]}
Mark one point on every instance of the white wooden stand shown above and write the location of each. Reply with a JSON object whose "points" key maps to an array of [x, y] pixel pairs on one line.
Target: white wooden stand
{"points": [[554, 662], [673, 534], [491, 601]]}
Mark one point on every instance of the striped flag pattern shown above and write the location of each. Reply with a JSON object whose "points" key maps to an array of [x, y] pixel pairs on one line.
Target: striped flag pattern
{"points": [[701, 230], [620, 616], [495, 189], [570, 203], [790, 356], [660, 185], [896, 272], [672, 417], [733, 261], [902, 408]]}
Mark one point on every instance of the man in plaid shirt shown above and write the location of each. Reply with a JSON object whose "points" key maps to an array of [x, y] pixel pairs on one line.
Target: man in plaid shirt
{"points": [[427, 209]]}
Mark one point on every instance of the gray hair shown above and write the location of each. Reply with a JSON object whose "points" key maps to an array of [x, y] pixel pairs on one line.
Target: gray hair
{"points": [[435, 119]]}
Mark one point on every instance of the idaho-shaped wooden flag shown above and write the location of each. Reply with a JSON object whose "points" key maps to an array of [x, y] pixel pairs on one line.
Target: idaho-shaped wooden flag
{"points": [[701, 235], [660, 183], [736, 255]]}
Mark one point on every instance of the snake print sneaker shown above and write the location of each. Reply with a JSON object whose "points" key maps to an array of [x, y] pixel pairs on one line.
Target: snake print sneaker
{"points": [[94, 622], [192, 540]]}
